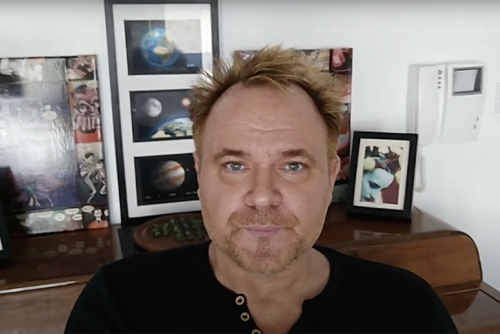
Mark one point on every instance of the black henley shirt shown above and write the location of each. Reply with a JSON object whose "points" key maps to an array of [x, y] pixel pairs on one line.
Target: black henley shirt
{"points": [[176, 291]]}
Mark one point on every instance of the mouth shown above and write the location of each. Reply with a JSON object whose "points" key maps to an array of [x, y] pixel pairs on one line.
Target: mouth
{"points": [[262, 230]]}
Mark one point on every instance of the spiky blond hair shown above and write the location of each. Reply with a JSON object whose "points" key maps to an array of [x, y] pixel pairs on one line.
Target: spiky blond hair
{"points": [[273, 66]]}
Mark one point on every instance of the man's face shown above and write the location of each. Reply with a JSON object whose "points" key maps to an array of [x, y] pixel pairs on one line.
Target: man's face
{"points": [[264, 178]]}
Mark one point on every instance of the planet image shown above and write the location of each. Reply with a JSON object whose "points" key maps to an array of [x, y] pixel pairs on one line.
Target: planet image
{"points": [[169, 176], [179, 127], [157, 49], [152, 107], [185, 102]]}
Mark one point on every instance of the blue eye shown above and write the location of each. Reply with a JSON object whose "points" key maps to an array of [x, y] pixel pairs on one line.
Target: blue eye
{"points": [[294, 167], [234, 166]]}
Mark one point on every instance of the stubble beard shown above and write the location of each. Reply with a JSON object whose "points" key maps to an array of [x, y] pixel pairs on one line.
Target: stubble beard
{"points": [[265, 258]]}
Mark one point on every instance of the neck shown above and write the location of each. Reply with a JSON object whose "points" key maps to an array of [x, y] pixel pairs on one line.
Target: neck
{"points": [[303, 279]]}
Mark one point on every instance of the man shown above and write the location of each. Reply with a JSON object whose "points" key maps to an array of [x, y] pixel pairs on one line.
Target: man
{"points": [[265, 131]]}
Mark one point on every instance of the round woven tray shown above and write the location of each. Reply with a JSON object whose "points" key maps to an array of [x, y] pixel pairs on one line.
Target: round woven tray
{"points": [[144, 238]]}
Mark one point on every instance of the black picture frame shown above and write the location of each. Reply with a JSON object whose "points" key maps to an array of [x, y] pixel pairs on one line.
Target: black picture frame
{"points": [[378, 176], [126, 220], [5, 244]]}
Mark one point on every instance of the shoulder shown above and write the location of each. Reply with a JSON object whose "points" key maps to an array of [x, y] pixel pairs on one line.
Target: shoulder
{"points": [[124, 296], [369, 274], [171, 266], [388, 294]]}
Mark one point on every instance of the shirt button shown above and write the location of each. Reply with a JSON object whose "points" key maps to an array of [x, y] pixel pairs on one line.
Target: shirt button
{"points": [[240, 300], [245, 316], [256, 331]]}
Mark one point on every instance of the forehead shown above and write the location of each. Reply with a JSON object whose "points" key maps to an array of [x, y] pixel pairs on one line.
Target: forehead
{"points": [[266, 119]]}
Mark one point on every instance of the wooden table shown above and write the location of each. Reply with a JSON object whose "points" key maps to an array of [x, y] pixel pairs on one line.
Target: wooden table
{"points": [[47, 274]]}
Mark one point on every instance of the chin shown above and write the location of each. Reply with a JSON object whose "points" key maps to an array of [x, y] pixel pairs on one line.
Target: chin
{"points": [[263, 263], [265, 255]]}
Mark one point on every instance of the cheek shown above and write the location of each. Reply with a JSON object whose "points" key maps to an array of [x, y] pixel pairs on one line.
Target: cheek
{"points": [[312, 192], [217, 203], [309, 204]]}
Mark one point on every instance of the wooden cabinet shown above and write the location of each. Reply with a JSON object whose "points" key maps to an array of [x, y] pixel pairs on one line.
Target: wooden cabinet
{"points": [[43, 310], [39, 288], [475, 311]]}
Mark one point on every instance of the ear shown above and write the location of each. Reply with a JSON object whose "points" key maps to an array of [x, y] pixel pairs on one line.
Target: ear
{"points": [[196, 158], [334, 171], [196, 162]]}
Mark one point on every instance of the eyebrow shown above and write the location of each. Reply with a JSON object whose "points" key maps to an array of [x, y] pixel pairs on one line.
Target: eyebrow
{"points": [[299, 153], [229, 152], [293, 153]]}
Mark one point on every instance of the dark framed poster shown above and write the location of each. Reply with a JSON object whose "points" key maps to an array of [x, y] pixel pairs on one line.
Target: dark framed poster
{"points": [[157, 50], [338, 62], [51, 140]]}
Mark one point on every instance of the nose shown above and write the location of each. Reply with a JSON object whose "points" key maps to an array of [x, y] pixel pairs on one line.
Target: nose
{"points": [[263, 192]]}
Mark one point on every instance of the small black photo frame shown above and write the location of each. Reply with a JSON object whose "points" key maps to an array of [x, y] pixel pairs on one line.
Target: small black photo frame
{"points": [[382, 174]]}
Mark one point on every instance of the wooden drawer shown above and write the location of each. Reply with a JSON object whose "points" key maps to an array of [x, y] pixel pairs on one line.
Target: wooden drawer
{"points": [[474, 311], [446, 261], [38, 311]]}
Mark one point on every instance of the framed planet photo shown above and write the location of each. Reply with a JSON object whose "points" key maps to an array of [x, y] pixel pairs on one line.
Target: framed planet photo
{"points": [[156, 50], [160, 115], [166, 179], [163, 46]]}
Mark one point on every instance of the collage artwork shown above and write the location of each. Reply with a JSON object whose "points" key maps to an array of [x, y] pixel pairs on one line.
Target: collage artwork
{"points": [[51, 142], [338, 62]]}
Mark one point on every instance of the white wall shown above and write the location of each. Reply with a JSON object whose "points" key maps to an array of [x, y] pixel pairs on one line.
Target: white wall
{"points": [[387, 36]]}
